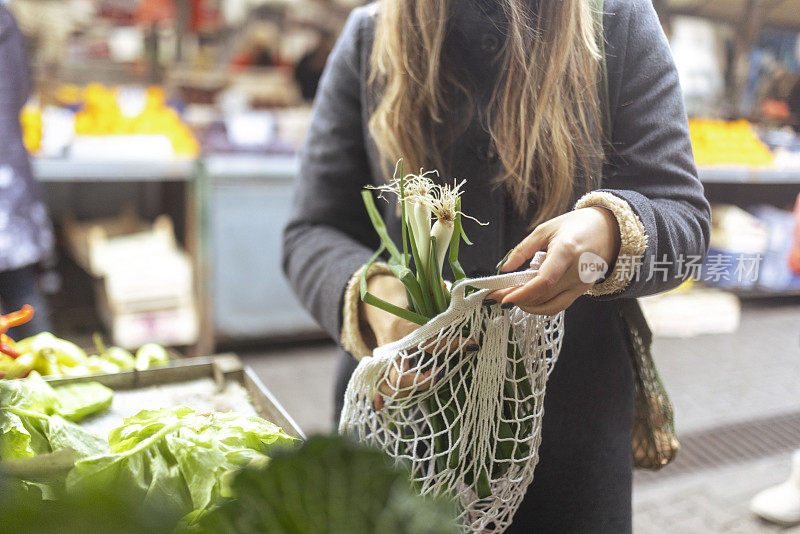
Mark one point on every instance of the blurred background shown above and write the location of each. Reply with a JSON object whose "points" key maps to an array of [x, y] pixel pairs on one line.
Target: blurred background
{"points": [[164, 135]]}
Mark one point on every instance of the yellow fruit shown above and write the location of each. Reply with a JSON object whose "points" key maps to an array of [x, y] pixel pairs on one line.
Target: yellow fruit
{"points": [[69, 94], [717, 142], [101, 115], [31, 120]]}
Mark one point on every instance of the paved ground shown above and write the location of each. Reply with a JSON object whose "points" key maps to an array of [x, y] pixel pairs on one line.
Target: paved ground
{"points": [[713, 380], [711, 501], [718, 380], [724, 378]]}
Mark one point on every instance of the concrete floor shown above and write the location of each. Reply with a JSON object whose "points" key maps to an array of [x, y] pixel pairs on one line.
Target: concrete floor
{"points": [[301, 377], [712, 379]]}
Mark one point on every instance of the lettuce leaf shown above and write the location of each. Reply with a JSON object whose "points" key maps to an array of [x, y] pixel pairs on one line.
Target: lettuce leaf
{"points": [[331, 485], [80, 400], [95, 511], [31, 422], [178, 456]]}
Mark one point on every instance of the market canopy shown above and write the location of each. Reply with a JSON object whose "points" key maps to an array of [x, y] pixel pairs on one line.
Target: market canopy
{"points": [[784, 14]]}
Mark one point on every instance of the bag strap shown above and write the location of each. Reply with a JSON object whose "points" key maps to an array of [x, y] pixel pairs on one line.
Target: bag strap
{"points": [[501, 281], [459, 302], [597, 7], [629, 308], [631, 312]]}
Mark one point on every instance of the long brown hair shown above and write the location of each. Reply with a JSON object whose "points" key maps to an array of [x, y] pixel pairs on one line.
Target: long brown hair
{"points": [[543, 117]]}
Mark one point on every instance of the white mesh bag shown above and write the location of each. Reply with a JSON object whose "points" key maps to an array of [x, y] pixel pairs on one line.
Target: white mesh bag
{"points": [[473, 430]]}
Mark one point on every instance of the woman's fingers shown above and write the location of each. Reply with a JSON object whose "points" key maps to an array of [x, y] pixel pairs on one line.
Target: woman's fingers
{"points": [[401, 379], [549, 280], [399, 385], [392, 329], [497, 296], [533, 243], [555, 305], [454, 344], [398, 382]]}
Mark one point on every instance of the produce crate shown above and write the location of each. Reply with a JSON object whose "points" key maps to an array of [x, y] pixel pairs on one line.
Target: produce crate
{"points": [[144, 283], [97, 244], [179, 376], [169, 323]]}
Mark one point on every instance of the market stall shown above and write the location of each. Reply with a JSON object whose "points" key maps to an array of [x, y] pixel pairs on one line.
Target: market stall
{"points": [[188, 141], [736, 61]]}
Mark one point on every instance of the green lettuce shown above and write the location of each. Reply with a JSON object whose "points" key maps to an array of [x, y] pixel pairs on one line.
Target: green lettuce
{"points": [[331, 485], [80, 400], [179, 456], [94, 511], [37, 419]]}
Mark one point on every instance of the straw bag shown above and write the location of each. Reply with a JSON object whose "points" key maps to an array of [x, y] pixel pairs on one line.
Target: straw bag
{"points": [[653, 438], [472, 432]]}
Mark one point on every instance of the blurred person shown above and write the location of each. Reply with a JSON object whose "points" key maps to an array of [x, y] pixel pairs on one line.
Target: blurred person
{"points": [[505, 94], [793, 102], [774, 105], [26, 235], [309, 69], [260, 47], [48, 26]]}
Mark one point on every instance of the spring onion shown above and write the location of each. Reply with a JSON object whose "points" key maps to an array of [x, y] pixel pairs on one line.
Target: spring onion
{"points": [[420, 200]]}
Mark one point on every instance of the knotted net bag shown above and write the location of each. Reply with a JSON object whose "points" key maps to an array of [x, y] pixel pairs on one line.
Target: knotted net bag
{"points": [[473, 430]]}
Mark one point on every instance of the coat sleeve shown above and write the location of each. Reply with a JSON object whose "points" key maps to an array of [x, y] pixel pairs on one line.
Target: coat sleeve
{"points": [[329, 235], [651, 165]]}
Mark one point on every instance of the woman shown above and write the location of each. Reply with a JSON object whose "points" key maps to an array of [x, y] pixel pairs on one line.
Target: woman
{"points": [[25, 233], [504, 94]]}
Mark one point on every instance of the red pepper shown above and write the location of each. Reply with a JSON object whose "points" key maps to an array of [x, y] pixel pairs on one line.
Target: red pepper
{"points": [[7, 348], [16, 318], [9, 321]]}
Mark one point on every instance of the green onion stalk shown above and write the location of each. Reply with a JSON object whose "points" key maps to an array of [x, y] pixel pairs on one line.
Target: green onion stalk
{"points": [[425, 244], [431, 231]]}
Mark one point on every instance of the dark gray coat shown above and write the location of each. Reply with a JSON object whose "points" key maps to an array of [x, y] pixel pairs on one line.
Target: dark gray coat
{"points": [[25, 232], [583, 481]]}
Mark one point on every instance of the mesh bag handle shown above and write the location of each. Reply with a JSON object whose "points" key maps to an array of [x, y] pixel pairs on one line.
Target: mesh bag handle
{"points": [[467, 423], [459, 301]]}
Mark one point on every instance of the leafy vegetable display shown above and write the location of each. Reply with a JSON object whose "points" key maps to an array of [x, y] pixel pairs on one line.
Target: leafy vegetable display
{"points": [[37, 419], [329, 485], [178, 456]]}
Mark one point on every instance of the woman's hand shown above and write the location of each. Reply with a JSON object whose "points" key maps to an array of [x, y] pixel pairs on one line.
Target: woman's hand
{"points": [[386, 328], [565, 238]]}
